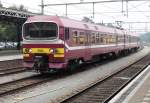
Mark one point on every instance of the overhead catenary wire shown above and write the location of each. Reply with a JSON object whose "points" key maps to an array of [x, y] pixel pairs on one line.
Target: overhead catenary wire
{"points": [[109, 11]]}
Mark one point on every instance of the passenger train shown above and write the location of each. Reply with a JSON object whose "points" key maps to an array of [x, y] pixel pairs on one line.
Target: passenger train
{"points": [[59, 43]]}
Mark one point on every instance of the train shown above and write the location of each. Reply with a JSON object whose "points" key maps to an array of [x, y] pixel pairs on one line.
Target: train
{"points": [[60, 43]]}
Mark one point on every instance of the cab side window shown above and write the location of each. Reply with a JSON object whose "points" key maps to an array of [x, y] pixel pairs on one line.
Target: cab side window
{"points": [[66, 33]]}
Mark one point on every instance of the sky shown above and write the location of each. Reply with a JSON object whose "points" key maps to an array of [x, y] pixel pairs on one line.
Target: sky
{"points": [[139, 11]]}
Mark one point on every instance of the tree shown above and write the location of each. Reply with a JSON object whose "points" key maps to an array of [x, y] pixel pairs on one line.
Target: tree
{"points": [[13, 7], [22, 8], [145, 37], [8, 32], [1, 5]]}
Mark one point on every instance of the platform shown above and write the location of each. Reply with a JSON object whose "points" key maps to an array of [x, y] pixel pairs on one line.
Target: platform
{"points": [[11, 57], [138, 91], [141, 94]]}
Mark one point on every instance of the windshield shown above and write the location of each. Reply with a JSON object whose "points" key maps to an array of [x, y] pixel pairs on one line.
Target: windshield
{"points": [[40, 30]]}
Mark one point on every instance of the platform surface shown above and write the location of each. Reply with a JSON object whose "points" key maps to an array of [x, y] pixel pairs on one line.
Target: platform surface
{"points": [[137, 91], [141, 94], [10, 57]]}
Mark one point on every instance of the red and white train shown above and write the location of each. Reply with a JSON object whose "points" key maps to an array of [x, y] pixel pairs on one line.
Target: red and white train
{"points": [[52, 42]]}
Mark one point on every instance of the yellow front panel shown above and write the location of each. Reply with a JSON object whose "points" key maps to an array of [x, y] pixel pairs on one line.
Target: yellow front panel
{"points": [[60, 50], [58, 55], [44, 50], [41, 50]]}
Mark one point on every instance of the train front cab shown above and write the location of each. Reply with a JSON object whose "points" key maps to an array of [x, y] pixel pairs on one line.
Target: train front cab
{"points": [[43, 50]]}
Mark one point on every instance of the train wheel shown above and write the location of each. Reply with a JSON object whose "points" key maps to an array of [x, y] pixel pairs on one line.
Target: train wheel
{"points": [[72, 65], [115, 55]]}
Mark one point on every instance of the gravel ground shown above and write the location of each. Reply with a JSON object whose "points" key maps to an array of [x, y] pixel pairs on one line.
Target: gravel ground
{"points": [[56, 90], [12, 77]]}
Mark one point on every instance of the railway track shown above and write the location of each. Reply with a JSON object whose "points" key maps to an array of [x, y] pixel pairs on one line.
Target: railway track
{"points": [[11, 67], [13, 86], [103, 91], [21, 84], [14, 70], [18, 85], [10, 63]]}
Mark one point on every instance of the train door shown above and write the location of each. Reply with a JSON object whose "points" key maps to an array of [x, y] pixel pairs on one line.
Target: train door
{"points": [[116, 35], [124, 39], [88, 46]]}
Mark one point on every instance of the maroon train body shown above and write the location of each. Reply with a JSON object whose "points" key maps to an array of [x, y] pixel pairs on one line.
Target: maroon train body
{"points": [[52, 42]]}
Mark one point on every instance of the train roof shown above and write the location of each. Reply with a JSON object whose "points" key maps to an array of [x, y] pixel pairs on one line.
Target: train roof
{"points": [[66, 22]]}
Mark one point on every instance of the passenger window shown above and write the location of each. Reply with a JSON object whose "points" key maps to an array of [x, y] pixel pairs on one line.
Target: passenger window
{"points": [[101, 38], [75, 38], [104, 39], [97, 38], [93, 38], [119, 38], [82, 38], [110, 39], [86, 38], [113, 38]]}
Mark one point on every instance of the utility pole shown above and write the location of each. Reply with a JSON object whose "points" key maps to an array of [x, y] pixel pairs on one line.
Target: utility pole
{"points": [[122, 6], [146, 27], [42, 7], [1, 5], [66, 10], [127, 8], [93, 10]]}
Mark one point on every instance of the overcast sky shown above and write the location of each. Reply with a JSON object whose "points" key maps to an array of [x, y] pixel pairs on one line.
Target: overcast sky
{"points": [[104, 12]]}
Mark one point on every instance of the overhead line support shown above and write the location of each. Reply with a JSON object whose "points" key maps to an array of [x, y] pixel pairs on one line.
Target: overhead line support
{"points": [[66, 10], [93, 10], [90, 2]]}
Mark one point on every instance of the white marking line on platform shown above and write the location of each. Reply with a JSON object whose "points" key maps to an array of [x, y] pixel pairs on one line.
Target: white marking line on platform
{"points": [[146, 99], [147, 94], [144, 102], [129, 85]]}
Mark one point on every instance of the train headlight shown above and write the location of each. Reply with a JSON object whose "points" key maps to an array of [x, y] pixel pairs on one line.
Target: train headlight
{"points": [[57, 50], [30, 50], [51, 50], [26, 50]]}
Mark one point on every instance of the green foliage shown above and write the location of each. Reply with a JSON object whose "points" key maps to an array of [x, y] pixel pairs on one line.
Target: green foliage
{"points": [[1, 5], [145, 37], [8, 32]]}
